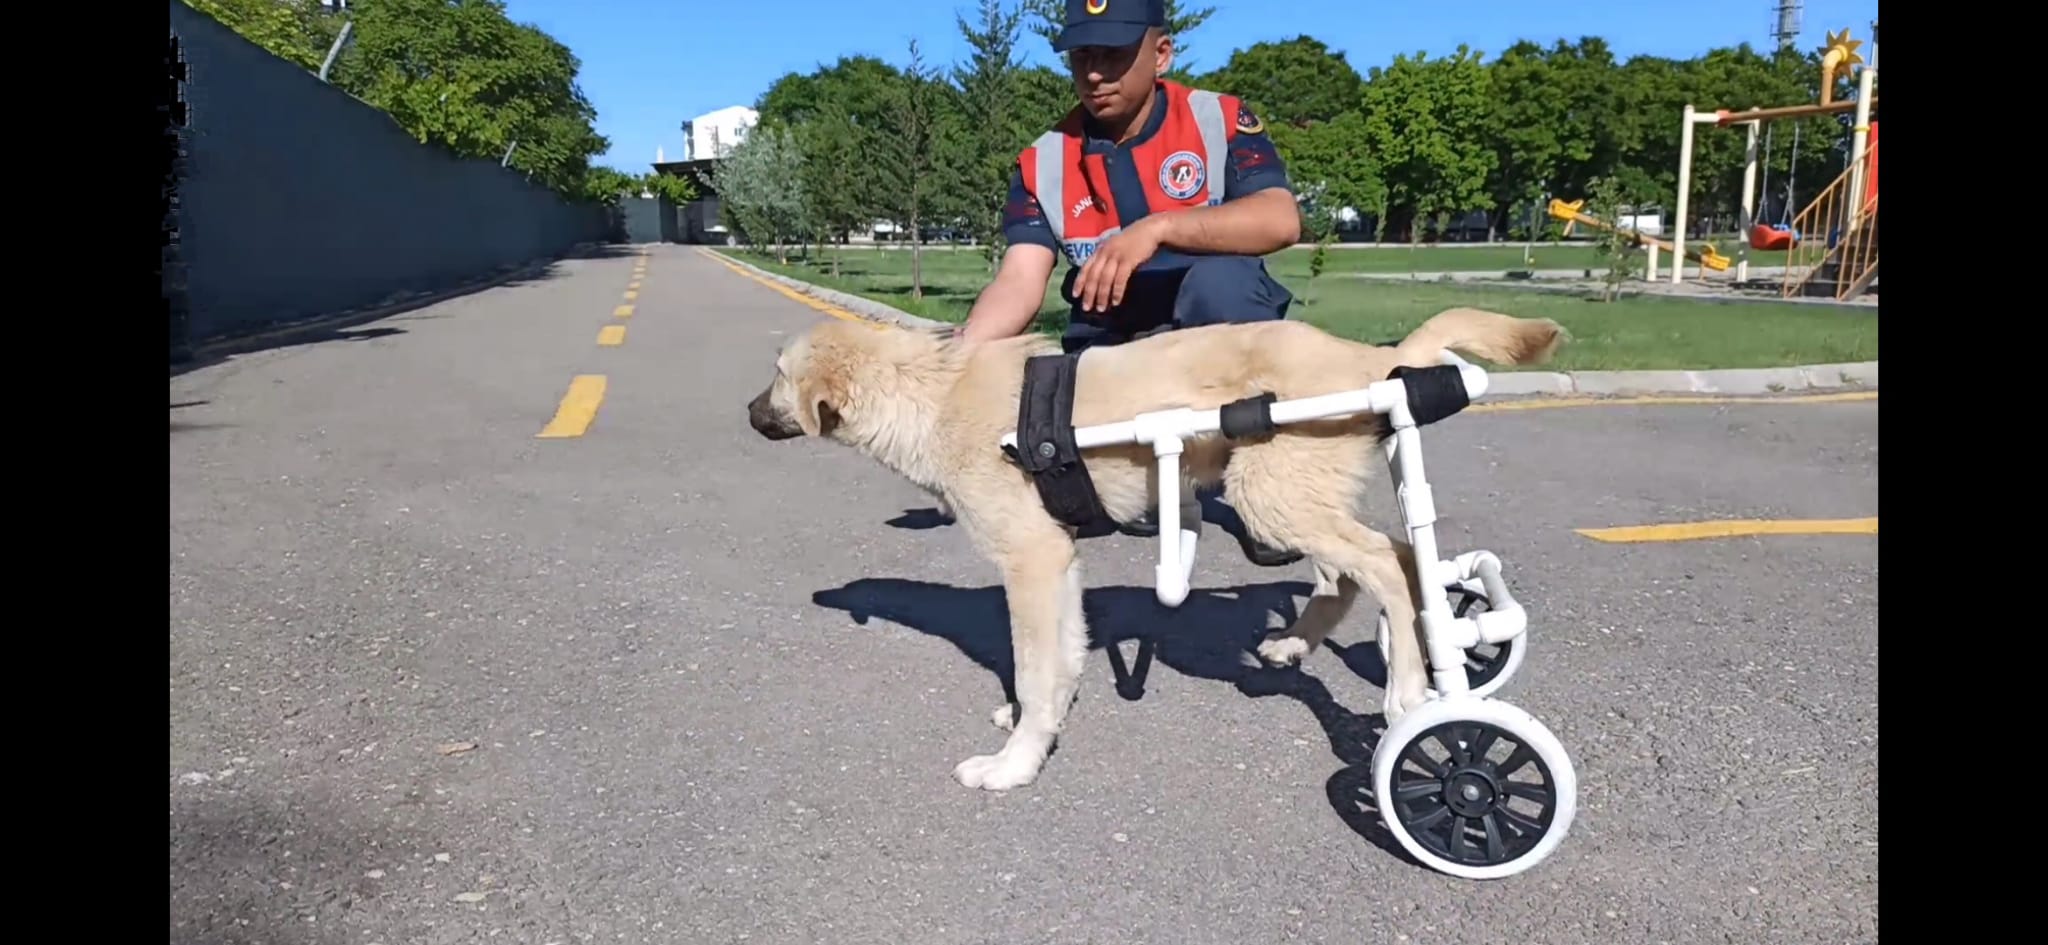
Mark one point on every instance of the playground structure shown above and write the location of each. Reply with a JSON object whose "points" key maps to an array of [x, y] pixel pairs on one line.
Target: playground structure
{"points": [[1830, 244], [1569, 211]]}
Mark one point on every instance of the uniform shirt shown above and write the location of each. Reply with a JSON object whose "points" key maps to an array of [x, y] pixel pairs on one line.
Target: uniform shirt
{"points": [[1252, 165]]}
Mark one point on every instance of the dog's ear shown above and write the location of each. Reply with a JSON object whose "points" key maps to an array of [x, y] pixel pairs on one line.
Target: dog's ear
{"points": [[817, 406]]}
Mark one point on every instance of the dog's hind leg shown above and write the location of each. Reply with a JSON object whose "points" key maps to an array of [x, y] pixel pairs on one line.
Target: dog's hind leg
{"points": [[1048, 637], [1327, 607]]}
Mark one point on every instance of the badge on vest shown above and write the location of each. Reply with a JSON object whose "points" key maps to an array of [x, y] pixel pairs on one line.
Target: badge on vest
{"points": [[1181, 174]]}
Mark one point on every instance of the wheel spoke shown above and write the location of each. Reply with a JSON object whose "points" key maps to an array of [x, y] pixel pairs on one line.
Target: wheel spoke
{"points": [[1409, 792], [1520, 822], [1450, 736], [1456, 843], [1483, 742], [1414, 753], [1424, 821], [1523, 755], [1496, 846], [1539, 793]]}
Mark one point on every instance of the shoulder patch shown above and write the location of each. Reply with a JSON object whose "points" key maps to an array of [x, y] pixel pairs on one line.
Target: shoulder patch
{"points": [[1248, 123]]}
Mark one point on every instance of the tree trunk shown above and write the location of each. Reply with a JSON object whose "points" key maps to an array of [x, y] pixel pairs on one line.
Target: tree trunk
{"points": [[916, 259]]}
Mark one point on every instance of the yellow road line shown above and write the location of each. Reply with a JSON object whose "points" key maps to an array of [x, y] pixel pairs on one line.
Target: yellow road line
{"points": [[1731, 528], [578, 408], [632, 294], [822, 306], [623, 311], [611, 336], [1660, 400], [633, 286]]}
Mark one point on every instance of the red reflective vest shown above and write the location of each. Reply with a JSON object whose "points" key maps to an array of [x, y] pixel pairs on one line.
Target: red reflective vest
{"points": [[1180, 166]]}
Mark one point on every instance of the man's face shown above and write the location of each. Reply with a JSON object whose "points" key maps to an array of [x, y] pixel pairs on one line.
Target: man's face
{"points": [[1114, 81]]}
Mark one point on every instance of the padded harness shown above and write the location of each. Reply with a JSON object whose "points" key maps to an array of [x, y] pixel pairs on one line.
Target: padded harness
{"points": [[1045, 430]]}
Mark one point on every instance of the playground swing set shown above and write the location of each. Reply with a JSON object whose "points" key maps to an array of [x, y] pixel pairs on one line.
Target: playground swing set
{"points": [[1849, 254]]}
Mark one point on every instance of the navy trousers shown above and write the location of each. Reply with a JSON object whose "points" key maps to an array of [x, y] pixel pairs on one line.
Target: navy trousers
{"points": [[1174, 292]]}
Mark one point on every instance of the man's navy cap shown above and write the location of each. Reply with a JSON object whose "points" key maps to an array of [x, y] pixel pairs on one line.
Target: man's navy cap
{"points": [[1109, 22]]}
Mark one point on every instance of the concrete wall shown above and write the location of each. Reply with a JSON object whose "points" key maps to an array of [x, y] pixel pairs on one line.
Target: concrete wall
{"points": [[300, 201]]}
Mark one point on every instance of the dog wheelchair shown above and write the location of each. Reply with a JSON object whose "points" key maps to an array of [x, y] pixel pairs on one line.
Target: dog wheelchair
{"points": [[1449, 809]]}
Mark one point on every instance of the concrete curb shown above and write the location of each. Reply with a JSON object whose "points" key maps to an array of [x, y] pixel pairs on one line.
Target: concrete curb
{"points": [[216, 350], [1859, 375], [864, 307]]}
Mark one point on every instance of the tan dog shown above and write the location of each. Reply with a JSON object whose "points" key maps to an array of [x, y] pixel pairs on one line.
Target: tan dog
{"points": [[933, 409]]}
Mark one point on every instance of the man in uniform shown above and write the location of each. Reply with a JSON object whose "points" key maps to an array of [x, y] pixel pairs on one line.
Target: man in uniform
{"points": [[1162, 198]]}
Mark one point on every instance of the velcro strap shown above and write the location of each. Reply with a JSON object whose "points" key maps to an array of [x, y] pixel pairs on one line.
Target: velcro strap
{"points": [[1434, 392], [1045, 441], [1249, 416]]}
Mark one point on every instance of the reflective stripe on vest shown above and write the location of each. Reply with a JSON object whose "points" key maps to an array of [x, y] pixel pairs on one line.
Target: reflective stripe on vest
{"points": [[1050, 160]]}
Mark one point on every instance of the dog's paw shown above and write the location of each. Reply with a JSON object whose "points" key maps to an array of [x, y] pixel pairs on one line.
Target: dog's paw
{"points": [[998, 772], [1004, 717], [1283, 651], [1399, 702]]}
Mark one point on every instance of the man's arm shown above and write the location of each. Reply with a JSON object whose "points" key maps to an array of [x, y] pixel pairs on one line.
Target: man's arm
{"points": [[1009, 302], [1258, 214]]}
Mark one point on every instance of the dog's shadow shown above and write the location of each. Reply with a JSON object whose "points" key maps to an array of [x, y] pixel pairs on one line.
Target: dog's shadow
{"points": [[1212, 635], [1214, 511]]}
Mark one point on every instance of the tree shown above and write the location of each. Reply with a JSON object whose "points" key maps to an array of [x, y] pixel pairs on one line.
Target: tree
{"points": [[1296, 82], [461, 74], [920, 156], [1330, 170], [297, 31], [760, 189], [991, 88], [838, 174], [1428, 122]]}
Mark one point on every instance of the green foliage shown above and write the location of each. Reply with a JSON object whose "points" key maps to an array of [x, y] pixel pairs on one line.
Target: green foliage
{"points": [[455, 73], [1607, 201], [297, 31], [760, 186], [1297, 82], [1429, 121]]}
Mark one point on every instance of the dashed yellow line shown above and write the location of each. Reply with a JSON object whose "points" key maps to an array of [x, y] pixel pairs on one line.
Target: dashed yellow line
{"points": [[632, 294], [1732, 528], [623, 311], [611, 336], [822, 306], [578, 408]]}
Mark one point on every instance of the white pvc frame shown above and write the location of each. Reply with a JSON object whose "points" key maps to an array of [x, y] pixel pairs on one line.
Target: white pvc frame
{"points": [[1447, 636]]}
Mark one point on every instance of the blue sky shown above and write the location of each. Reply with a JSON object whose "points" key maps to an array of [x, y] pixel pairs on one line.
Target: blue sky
{"points": [[650, 64]]}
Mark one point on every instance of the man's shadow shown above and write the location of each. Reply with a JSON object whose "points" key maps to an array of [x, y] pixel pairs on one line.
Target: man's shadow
{"points": [[1212, 636]]}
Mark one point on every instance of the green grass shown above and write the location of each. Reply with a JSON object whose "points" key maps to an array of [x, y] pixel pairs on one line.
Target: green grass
{"points": [[1635, 332]]}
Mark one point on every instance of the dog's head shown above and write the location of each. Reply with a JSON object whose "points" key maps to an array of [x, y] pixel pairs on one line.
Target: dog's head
{"points": [[803, 398], [836, 368]]}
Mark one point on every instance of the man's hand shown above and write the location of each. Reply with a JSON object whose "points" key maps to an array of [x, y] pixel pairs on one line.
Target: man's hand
{"points": [[1008, 303], [1100, 284]]}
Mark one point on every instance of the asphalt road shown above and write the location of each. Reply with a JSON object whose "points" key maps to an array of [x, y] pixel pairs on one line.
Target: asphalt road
{"points": [[436, 680]]}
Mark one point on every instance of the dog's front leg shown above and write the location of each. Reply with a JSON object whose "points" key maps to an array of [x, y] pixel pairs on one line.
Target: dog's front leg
{"points": [[1049, 638]]}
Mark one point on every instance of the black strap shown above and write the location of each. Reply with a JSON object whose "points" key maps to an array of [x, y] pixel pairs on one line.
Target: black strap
{"points": [[1045, 444], [1434, 392], [1249, 416]]}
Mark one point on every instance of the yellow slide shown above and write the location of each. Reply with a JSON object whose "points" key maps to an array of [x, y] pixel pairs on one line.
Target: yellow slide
{"points": [[1572, 215]]}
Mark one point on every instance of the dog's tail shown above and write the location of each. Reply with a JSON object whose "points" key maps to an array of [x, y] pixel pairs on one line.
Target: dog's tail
{"points": [[1489, 336]]}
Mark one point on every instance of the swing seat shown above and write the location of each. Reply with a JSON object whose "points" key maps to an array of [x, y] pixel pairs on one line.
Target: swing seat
{"points": [[1769, 236]]}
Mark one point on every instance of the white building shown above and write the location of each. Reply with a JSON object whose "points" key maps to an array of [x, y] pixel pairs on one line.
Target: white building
{"points": [[714, 134]]}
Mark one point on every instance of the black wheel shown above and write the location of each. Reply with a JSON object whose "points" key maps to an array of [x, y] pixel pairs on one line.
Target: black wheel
{"points": [[1488, 666], [1486, 661], [1474, 787]]}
